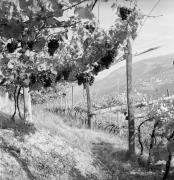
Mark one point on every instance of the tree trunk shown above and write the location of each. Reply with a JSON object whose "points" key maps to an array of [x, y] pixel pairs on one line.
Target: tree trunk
{"points": [[27, 105], [17, 101], [15, 104], [88, 105], [130, 100], [170, 149], [140, 138], [152, 142]]}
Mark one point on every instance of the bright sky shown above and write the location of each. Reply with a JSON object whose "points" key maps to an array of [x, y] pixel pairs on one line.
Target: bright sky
{"points": [[157, 31]]}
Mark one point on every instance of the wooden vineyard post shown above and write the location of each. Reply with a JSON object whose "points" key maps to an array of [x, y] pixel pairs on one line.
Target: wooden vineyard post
{"points": [[130, 99], [88, 104], [72, 97], [61, 102], [6, 97], [118, 88], [27, 105], [168, 94]]}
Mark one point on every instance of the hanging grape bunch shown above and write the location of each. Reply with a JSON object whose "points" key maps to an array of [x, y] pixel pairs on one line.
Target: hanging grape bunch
{"points": [[58, 77], [48, 79], [30, 45], [106, 61], [80, 78], [66, 73], [85, 77], [96, 69], [32, 79], [124, 13], [90, 28], [11, 47], [27, 45], [53, 45]]}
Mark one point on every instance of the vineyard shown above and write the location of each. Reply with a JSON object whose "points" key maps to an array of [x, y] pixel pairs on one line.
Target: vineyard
{"points": [[56, 120]]}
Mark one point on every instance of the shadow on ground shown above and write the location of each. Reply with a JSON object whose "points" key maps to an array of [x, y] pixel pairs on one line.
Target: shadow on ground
{"points": [[19, 127], [15, 153], [120, 167]]}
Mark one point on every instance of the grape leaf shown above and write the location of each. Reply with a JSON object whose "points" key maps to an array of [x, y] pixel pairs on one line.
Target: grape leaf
{"points": [[39, 45], [51, 21], [35, 7], [84, 13], [24, 3], [4, 61], [58, 13], [74, 1]]}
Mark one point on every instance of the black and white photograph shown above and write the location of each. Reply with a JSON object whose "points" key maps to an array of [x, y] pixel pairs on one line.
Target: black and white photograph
{"points": [[86, 89]]}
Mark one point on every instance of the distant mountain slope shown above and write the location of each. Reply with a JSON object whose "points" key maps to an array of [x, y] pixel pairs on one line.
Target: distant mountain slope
{"points": [[150, 76]]}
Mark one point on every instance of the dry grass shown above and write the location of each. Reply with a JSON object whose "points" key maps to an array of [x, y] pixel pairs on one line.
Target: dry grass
{"points": [[48, 149], [6, 105]]}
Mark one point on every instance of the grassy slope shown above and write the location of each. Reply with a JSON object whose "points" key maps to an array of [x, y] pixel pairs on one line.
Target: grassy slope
{"points": [[48, 149], [150, 76]]}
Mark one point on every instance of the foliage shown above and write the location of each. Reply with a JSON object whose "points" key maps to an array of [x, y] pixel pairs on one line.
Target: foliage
{"points": [[30, 32], [163, 113], [49, 94], [157, 130], [39, 49]]}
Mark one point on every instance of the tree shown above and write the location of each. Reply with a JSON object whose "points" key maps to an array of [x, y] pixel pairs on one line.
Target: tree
{"points": [[29, 33]]}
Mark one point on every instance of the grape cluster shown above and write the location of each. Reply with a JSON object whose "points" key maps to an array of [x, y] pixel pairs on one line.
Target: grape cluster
{"points": [[32, 78], [124, 12], [107, 59], [83, 78], [58, 77], [11, 47], [30, 45], [64, 73], [53, 45], [46, 78], [104, 62], [96, 68], [90, 28]]}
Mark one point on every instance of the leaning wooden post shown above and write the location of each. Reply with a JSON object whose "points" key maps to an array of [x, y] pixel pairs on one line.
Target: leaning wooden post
{"points": [[27, 105], [130, 99], [88, 104]]}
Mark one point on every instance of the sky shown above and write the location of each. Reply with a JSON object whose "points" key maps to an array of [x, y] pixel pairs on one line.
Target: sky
{"points": [[157, 31]]}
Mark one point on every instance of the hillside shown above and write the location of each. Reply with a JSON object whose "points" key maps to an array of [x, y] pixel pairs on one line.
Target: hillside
{"points": [[48, 149], [150, 76]]}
